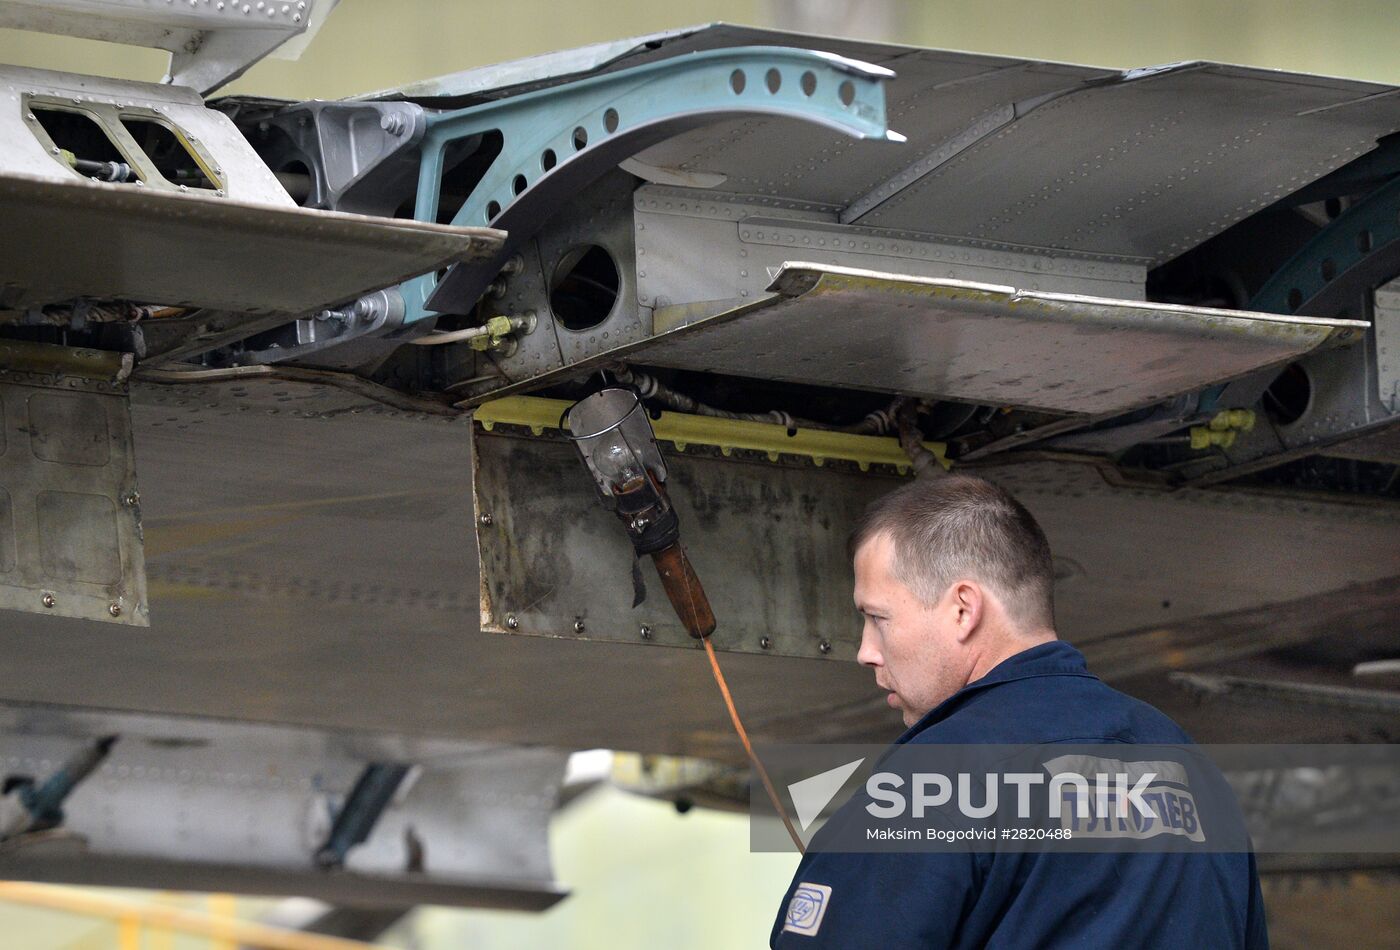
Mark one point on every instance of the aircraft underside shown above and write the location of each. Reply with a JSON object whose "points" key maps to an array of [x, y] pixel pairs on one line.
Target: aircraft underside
{"points": [[287, 506]]}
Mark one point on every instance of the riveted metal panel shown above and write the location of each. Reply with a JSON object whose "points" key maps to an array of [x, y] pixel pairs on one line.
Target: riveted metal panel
{"points": [[978, 342], [70, 521], [767, 540], [1150, 165]]}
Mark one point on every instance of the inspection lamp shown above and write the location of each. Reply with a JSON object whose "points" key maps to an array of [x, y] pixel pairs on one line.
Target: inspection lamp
{"points": [[613, 436]]}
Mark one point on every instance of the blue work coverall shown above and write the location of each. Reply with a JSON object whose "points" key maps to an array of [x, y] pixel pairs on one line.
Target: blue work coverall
{"points": [[1032, 900]]}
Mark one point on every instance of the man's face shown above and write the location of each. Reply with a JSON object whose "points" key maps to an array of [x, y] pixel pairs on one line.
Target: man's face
{"points": [[912, 647]]}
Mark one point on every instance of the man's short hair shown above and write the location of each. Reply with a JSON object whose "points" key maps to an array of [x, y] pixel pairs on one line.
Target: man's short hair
{"points": [[962, 526]]}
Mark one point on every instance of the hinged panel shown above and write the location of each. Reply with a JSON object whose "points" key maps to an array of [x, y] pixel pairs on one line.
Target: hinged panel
{"points": [[985, 343], [70, 517]]}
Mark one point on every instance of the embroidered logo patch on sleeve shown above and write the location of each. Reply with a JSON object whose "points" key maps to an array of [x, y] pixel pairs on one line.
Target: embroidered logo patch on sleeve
{"points": [[807, 908]]}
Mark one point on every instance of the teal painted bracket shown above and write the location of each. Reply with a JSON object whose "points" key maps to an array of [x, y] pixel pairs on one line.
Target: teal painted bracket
{"points": [[558, 140]]}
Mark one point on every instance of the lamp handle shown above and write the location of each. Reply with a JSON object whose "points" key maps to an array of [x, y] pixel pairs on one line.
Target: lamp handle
{"points": [[683, 588]]}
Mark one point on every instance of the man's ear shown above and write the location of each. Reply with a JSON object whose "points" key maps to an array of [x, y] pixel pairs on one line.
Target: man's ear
{"points": [[968, 601]]}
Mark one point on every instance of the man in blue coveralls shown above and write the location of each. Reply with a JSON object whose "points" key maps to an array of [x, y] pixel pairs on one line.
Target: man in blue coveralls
{"points": [[954, 581]]}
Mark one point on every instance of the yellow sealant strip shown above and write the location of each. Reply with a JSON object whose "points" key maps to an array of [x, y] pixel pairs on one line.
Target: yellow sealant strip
{"points": [[684, 429]]}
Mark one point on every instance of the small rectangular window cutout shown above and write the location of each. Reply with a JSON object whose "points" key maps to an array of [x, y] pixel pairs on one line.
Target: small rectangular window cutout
{"points": [[171, 157], [85, 145]]}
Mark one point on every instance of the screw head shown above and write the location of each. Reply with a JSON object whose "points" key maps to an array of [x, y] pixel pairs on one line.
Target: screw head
{"points": [[114, 609], [824, 646], [47, 600], [512, 622], [646, 632], [486, 519], [131, 499], [578, 625], [764, 643]]}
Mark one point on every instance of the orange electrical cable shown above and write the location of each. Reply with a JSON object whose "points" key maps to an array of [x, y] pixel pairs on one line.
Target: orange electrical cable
{"points": [[748, 747]]}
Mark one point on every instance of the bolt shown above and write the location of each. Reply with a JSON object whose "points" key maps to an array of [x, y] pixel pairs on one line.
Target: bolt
{"points": [[764, 643], [131, 499], [646, 632], [485, 518], [512, 622], [578, 625], [47, 600], [393, 123], [824, 646], [114, 609]]}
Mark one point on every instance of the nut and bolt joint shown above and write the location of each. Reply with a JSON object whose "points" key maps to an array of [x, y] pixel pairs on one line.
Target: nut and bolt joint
{"points": [[47, 600], [512, 622], [578, 625], [485, 519], [646, 632], [764, 642], [824, 646], [114, 609]]}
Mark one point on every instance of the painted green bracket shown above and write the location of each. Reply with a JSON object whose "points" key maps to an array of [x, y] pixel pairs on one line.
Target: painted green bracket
{"points": [[558, 140]]}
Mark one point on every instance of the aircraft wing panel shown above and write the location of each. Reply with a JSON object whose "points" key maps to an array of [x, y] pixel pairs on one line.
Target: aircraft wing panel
{"points": [[980, 342], [71, 239]]}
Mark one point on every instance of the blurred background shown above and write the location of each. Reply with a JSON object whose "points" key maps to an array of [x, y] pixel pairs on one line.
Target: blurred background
{"points": [[642, 874]]}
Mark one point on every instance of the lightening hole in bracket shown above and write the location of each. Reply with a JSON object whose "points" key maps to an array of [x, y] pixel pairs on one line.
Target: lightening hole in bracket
{"points": [[773, 80], [548, 159], [580, 138], [611, 120], [518, 184], [847, 92], [737, 81], [585, 287], [1290, 394], [809, 83]]}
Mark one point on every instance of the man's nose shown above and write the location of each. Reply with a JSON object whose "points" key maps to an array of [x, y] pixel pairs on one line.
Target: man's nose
{"points": [[869, 654]]}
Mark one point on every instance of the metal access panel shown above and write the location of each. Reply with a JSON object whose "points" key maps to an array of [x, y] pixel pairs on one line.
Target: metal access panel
{"points": [[985, 343], [70, 519], [768, 540]]}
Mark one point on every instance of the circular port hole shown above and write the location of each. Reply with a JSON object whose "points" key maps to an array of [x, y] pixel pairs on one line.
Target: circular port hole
{"points": [[584, 289], [518, 184], [737, 81], [809, 83], [580, 138], [773, 80], [611, 120], [548, 159], [493, 208], [1289, 395], [847, 92]]}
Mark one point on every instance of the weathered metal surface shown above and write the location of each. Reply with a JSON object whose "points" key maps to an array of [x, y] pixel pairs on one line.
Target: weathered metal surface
{"points": [[209, 44], [1385, 317], [1145, 163], [766, 542], [980, 343], [246, 806], [65, 240], [70, 519], [701, 245], [208, 133]]}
